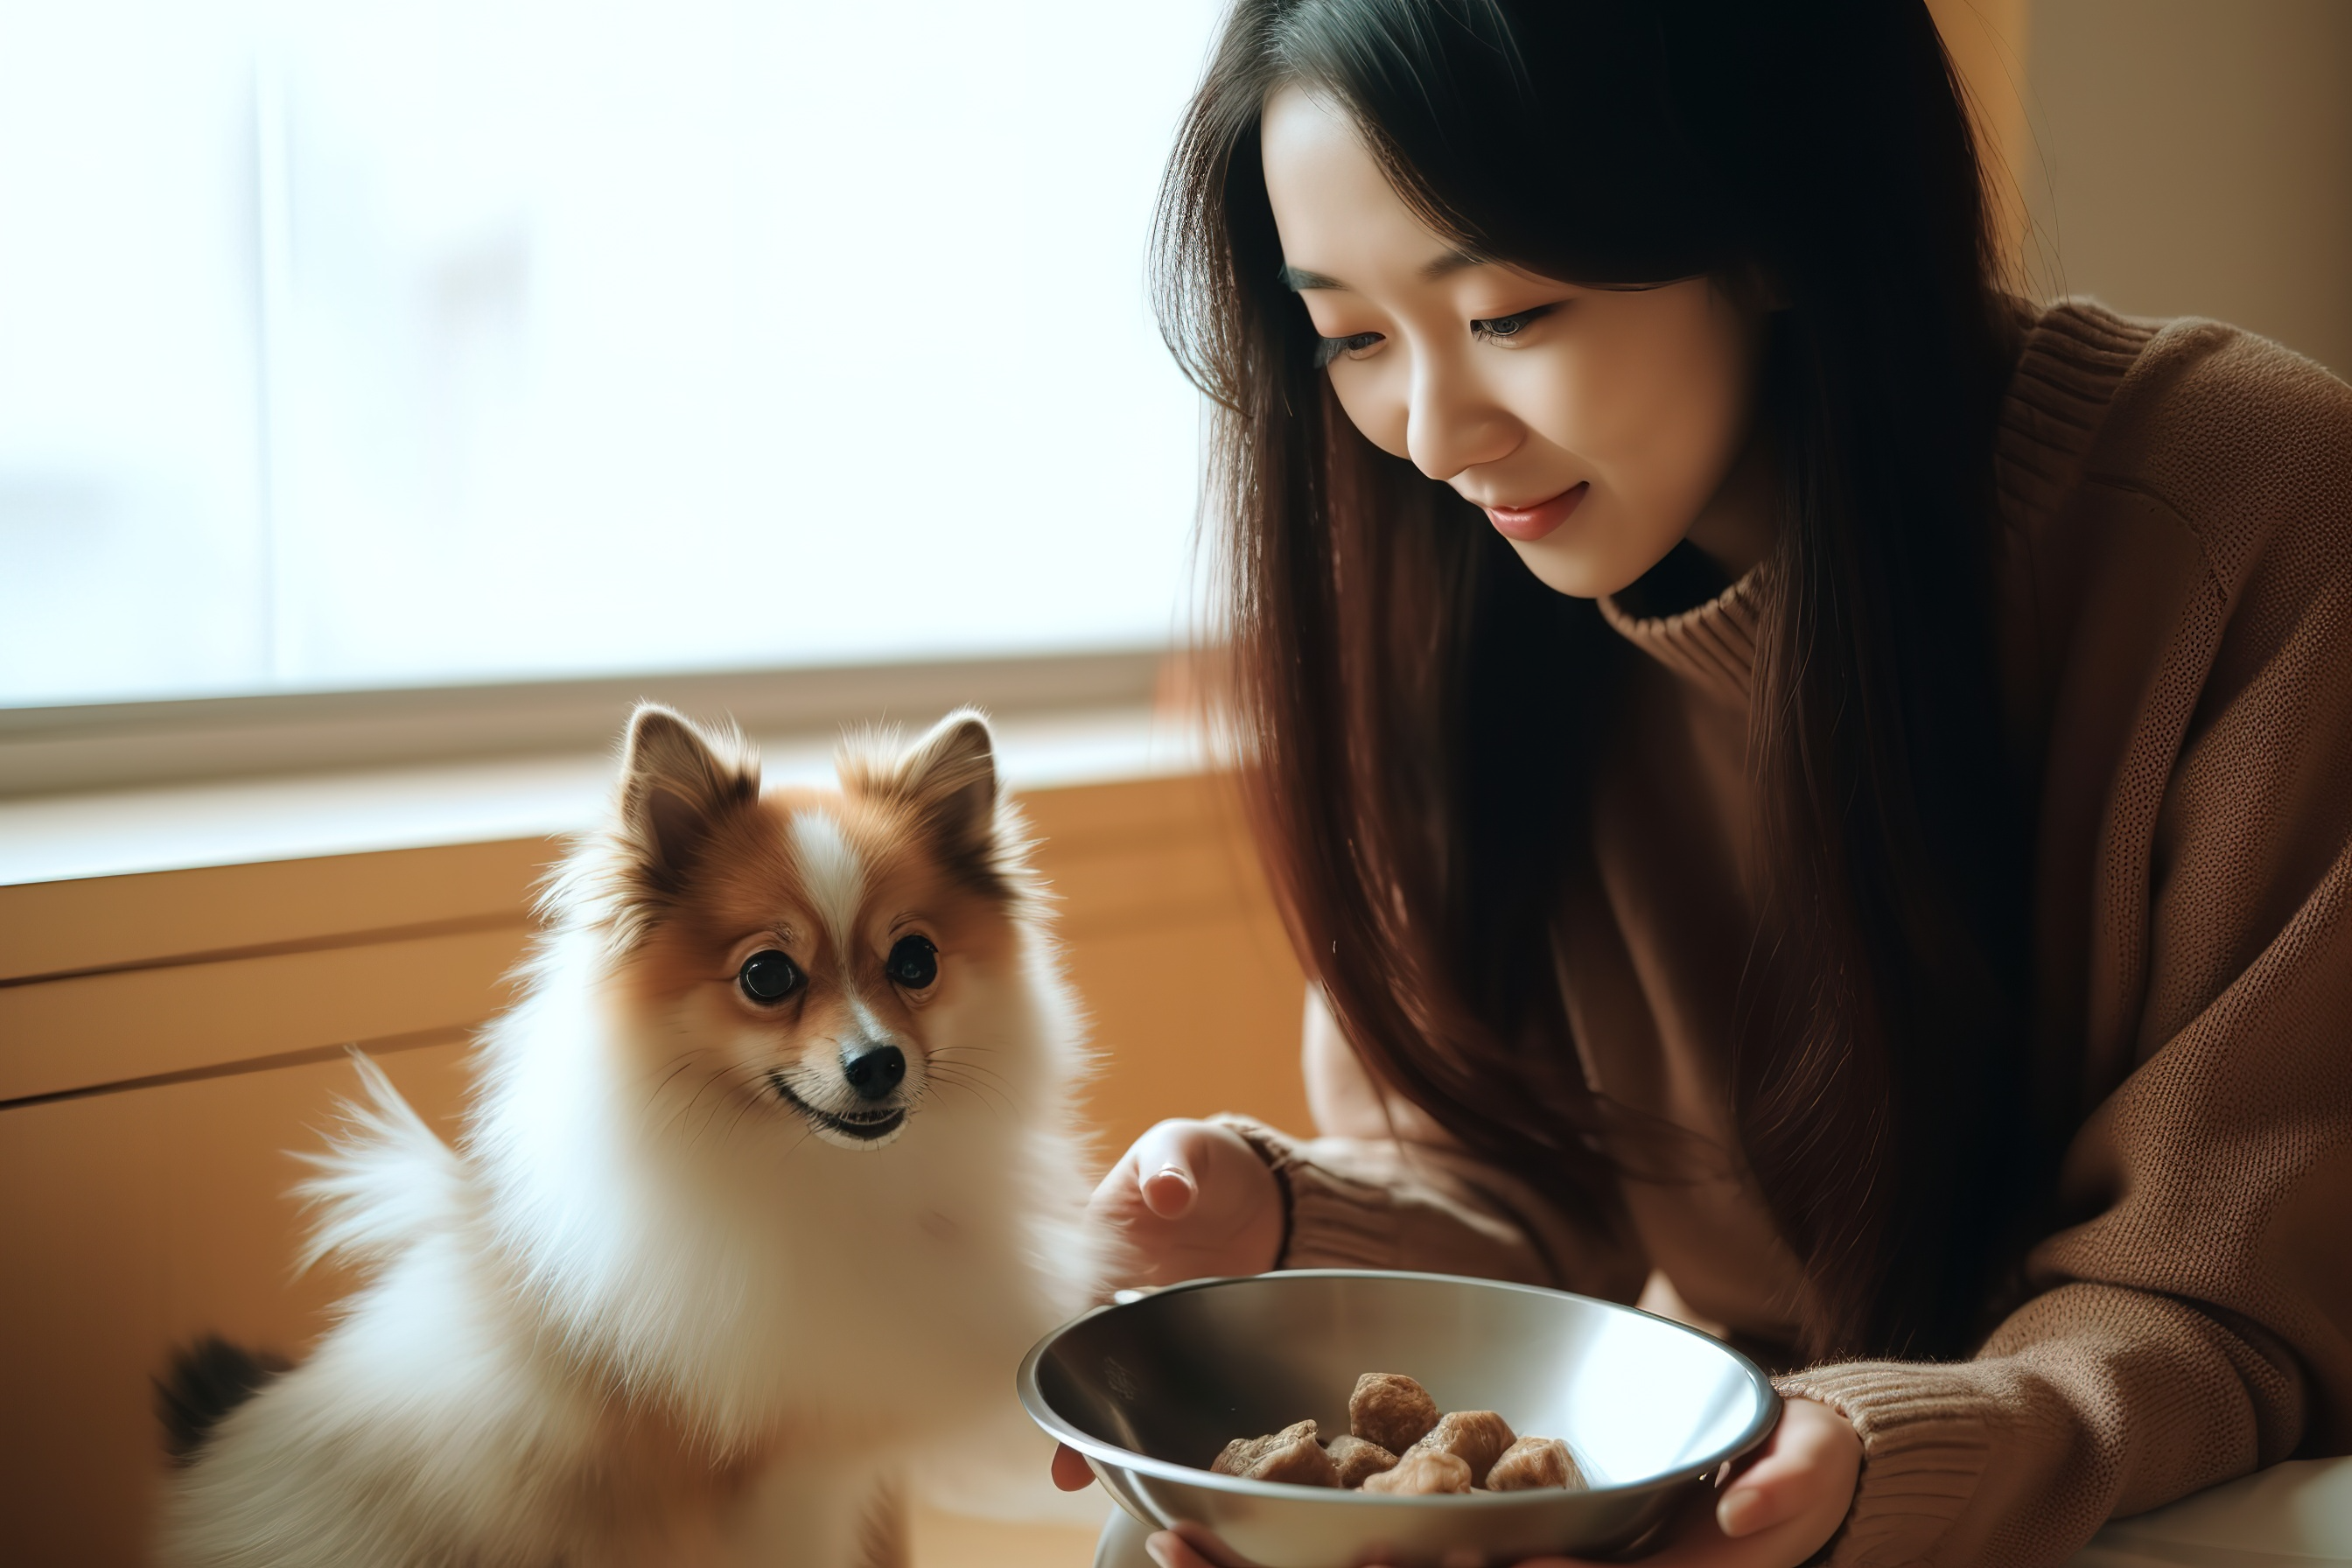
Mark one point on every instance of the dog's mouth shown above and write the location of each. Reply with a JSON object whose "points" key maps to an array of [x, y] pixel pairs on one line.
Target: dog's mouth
{"points": [[865, 1126]]}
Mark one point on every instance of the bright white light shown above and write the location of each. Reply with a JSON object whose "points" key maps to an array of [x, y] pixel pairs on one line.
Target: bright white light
{"points": [[411, 341]]}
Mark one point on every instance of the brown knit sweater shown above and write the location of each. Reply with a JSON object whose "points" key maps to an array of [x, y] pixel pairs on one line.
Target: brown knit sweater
{"points": [[2175, 634]]}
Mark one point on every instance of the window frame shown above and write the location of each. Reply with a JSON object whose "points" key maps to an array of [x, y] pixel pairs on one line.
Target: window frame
{"points": [[68, 748]]}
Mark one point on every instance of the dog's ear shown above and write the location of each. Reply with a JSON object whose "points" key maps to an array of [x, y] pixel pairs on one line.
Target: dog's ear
{"points": [[677, 784], [950, 778], [947, 783]]}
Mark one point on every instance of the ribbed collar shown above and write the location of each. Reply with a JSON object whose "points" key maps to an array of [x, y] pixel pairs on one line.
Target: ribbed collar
{"points": [[2074, 355], [1712, 646]]}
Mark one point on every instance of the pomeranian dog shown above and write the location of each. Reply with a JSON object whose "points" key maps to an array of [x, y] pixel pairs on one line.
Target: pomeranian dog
{"points": [[767, 1182]]}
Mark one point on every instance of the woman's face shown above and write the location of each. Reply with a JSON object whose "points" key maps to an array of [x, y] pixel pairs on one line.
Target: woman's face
{"points": [[1596, 428]]}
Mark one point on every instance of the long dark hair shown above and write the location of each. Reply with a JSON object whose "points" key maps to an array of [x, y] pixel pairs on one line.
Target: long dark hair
{"points": [[1416, 707]]}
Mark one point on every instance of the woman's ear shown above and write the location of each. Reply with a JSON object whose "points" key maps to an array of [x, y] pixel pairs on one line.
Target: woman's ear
{"points": [[676, 782]]}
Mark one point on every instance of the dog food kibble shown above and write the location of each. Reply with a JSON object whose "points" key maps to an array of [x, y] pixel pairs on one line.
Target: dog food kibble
{"points": [[1389, 1409], [1302, 1464], [1291, 1455], [1421, 1473], [1400, 1444], [1358, 1462], [1243, 1452], [1476, 1438], [1533, 1462]]}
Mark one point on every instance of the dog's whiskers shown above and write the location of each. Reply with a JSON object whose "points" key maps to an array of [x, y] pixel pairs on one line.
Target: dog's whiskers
{"points": [[946, 1064], [683, 1062], [733, 1076], [946, 1079], [964, 1074], [738, 1077], [956, 1057]]}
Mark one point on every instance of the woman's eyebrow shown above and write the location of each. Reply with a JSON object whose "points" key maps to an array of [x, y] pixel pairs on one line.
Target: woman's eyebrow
{"points": [[1453, 261], [1297, 279]]}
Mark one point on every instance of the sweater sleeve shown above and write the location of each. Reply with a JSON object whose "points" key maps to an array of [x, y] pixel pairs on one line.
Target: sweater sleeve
{"points": [[2196, 1324], [2198, 1328], [1368, 1202]]}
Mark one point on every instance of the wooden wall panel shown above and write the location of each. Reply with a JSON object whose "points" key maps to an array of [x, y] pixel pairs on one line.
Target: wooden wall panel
{"points": [[134, 1222], [1192, 1018], [97, 1029], [1175, 946], [114, 922]]}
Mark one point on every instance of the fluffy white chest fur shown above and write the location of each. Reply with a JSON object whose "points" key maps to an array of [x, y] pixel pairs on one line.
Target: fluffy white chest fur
{"points": [[769, 1181]]}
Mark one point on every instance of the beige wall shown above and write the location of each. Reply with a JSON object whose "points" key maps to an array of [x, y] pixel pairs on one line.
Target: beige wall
{"points": [[2195, 158], [1986, 40]]}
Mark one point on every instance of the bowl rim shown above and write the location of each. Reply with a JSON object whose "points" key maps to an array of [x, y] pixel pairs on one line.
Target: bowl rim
{"points": [[1057, 1427]]}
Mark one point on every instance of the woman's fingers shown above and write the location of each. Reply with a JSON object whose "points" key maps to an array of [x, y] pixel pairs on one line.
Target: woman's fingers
{"points": [[1071, 1471], [1169, 1551], [1805, 1476], [1191, 1546], [1168, 1191], [1160, 1169], [1189, 1199], [1168, 1164], [1780, 1511], [1748, 1510]]}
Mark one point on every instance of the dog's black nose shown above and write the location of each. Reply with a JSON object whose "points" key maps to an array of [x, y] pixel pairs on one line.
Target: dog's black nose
{"points": [[874, 1070]]}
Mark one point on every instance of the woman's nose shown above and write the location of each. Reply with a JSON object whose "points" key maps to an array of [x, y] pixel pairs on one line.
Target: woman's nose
{"points": [[1451, 423]]}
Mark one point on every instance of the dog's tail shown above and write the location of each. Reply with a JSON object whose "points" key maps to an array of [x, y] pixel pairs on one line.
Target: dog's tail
{"points": [[206, 1381], [385, 1180]]}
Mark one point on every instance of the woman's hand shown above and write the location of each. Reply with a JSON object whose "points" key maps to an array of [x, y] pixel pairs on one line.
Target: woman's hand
{"points": [[1190, 1199], [1776, 1513], [1778, 1510]]}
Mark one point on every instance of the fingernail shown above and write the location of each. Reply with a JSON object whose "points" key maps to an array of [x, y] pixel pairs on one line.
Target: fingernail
{"points": [[1157, 1547], [1736, 1513], [1169, 1192]]}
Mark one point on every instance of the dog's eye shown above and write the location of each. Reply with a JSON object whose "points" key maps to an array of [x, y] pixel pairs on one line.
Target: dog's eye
{"points": [[913, 963], [768, 975]]}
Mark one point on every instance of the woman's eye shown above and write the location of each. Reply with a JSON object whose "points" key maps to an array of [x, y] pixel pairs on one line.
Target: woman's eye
{"points": [[1328, 349], [1497, 329], [768, 975], [913, 963]]}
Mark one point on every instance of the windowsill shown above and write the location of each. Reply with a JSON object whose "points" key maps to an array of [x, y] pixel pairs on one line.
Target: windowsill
{"points": [[121, 832]]}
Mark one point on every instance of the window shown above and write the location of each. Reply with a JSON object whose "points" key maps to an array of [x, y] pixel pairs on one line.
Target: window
{"points": [[381, 342]]}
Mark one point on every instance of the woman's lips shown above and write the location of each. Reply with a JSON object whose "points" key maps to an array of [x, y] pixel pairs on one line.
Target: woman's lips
{"points": [[1530, 523]]}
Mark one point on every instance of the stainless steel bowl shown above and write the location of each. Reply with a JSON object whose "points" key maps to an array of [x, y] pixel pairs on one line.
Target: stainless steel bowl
{"points": [[1151, 1389]]}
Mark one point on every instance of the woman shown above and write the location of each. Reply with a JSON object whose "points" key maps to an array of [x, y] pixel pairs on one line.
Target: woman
{"points": [[1795, 773]]}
